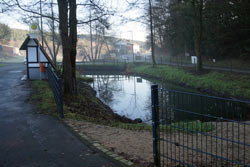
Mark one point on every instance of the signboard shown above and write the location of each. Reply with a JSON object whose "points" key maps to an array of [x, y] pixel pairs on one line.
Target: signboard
{"points": [[139, 80], [194, 59], [34, 31]]}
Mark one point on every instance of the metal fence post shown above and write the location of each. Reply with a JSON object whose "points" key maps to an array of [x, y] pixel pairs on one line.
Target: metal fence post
{"points": [[155, 124], [61, 98]]}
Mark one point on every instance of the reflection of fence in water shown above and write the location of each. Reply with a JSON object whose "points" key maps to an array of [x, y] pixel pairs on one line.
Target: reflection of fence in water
{"points": [[110, 77], [184, 106], [199, 130]]}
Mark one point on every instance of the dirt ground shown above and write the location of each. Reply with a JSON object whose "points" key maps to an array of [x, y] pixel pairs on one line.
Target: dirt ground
{"points": [[197, 149], [227, 145], [133, 145]]}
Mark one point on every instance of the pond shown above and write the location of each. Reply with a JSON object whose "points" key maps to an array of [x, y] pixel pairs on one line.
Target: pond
{"points": [[128, 96]]}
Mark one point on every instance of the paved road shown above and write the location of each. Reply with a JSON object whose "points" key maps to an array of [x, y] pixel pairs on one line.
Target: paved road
{"points": [[28, 139]]}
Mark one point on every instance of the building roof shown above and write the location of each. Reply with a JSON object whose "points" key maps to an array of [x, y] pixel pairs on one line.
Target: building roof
{"points": [[120, 43], [25, 43], [24, 47]]}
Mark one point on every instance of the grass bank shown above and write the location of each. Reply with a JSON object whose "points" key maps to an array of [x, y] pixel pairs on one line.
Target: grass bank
{"points": [[1, 65], [43, 98], [223, 83], [82, 78], [83, 106], [182, 126]]}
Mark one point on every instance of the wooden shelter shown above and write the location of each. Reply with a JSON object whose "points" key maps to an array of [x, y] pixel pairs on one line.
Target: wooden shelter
{"points": [[37, 59]]}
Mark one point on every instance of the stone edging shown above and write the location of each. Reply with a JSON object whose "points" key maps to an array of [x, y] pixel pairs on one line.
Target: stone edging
{"points": [[101, 148]]}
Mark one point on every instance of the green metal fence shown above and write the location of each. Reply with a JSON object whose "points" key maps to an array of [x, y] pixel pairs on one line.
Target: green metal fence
{"points": [[56, 87], [199, 130]]}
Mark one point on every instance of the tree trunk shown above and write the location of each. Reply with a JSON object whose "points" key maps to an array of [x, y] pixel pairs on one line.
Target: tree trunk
{"points": [[197, 21], [73, 40], [67, 67], [107, 46], [97, 43], [53, 33], [91, 38], [100, 49], [151, 32]]}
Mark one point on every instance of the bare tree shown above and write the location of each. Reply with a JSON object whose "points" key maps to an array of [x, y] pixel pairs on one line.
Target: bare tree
{"points": [[4, 33], [99, 39], [56, 43], [50, 38], [83, 52]]}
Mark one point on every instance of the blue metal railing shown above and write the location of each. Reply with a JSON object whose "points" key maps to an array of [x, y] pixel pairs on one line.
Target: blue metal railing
{"points": [[198, 130], [56, 87]]}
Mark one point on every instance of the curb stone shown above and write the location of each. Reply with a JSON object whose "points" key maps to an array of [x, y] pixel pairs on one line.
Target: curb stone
{"points": [[99, 147]]}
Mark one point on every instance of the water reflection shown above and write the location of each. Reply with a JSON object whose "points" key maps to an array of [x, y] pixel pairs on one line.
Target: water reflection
{"points": [[176, 106], [129, 96]]}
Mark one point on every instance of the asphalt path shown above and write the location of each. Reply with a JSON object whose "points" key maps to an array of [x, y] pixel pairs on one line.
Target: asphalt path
{"points": [[29, 139]]}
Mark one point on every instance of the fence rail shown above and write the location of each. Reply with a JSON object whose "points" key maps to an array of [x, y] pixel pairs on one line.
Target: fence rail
{"points": [[56, 87], [198, 130], [107, 61], [185, 61]]}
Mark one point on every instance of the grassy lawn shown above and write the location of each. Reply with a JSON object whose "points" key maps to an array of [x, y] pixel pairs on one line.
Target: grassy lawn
{"points": [[18, 59], [1, 65], [230, 84], [226, 63], [183, 126], [229, 63], [43, 97]]}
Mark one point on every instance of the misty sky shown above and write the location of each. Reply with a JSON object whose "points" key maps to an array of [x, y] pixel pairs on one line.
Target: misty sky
{"points": [[123, 30]]}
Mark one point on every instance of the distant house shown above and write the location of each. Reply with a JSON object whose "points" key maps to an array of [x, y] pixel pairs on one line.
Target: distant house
{"points": [[7, 50], [120, 45], [121, 48], [136, 48], [126, 47]]}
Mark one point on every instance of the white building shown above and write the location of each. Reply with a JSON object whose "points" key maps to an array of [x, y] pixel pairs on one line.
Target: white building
{"points": [[136, 48]]}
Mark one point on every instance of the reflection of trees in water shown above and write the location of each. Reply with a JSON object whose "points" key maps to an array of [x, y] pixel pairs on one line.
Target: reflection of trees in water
{"points": [[148, 110], [107, 86], [134, 100], [183, 106]]}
